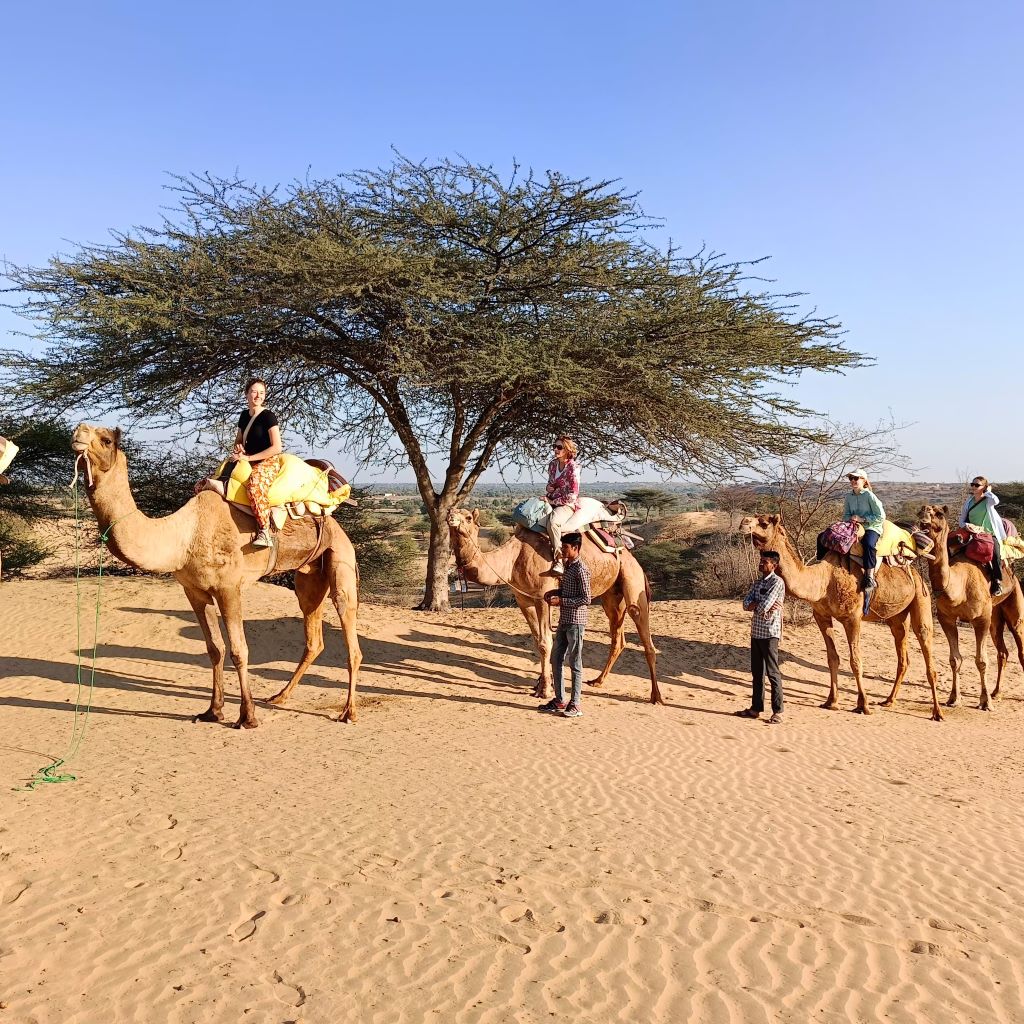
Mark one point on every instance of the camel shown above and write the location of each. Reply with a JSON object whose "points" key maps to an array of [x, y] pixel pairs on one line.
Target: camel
{"points": [[831, 589], [961, 589], [523, 563], [207, 546]]}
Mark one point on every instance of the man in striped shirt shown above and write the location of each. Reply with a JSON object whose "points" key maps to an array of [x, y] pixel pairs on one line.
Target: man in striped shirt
{"points": [[572, 600], [765, 599]]}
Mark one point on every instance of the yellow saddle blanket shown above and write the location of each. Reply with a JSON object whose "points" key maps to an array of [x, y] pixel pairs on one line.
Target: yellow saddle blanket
{"points": [[895, 542], [1012, 548], [298, 484]]}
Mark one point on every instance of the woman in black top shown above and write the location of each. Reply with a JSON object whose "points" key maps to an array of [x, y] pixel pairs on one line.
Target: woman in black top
{"points": [[258, 442]]}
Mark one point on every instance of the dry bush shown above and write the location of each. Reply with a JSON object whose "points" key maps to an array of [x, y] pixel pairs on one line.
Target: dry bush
{"points": [[727, 569]]}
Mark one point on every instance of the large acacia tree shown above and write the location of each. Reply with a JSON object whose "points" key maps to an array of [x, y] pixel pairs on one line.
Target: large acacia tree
{"points": [[428, 315]]}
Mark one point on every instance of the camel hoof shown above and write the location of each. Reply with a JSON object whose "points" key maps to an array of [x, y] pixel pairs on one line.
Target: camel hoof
{"points": [[346, 717], [984, 707], [829, 705], [594, 682], [937, 716], [862, 709], [278, 700], [952, 703], [246, 723], [209, 715], [886, 704], [539, 692], [658, 699]]}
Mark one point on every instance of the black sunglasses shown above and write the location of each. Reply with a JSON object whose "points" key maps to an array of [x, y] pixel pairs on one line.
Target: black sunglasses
{"points": [[977, 483], [559, 447]]}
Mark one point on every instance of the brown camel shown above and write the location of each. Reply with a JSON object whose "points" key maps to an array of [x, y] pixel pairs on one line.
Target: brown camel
{"points": [[961, 589], [831, 589], [522, 563], [207, 545]]}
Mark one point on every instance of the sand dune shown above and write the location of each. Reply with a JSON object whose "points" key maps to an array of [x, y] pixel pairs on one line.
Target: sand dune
{"points": [[455, 856]]}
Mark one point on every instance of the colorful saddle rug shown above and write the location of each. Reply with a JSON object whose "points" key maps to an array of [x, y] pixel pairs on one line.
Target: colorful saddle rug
{"points": [[302, 487], [608, 542]]}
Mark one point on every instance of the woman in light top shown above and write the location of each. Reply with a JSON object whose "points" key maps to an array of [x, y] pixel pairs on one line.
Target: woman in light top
{"points": [[980, 510], [861, 506], [563, 492]]}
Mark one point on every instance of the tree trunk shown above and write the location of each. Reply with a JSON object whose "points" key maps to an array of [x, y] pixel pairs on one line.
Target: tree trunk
{"points": [[435, 594]]}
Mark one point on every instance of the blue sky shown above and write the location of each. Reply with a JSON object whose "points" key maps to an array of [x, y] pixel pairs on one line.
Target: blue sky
{"points": [[873, 150]]}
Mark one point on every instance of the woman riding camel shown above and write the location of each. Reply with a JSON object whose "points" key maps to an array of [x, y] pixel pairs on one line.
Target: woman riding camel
{"points": [[258, 442], [563, 492], [861, 506], [980, 510]]}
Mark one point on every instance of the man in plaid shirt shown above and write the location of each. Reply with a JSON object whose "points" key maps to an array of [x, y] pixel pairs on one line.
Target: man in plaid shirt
{"points": [[765, 599], [572, 600]]}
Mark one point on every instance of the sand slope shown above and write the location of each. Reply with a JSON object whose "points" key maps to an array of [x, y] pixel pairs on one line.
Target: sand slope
{"points": [[455, 856]]}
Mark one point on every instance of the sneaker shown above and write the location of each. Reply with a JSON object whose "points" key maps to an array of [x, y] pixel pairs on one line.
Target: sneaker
{"points": [[263, 540], [997, 589], [776, 719], [572, 711], [552, 707]]}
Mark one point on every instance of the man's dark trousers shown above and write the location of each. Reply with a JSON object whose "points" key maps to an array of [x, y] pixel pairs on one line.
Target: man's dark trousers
{"points": [[764, 656]]}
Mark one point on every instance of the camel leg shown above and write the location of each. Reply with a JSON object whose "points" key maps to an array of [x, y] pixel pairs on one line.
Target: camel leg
{"points": [[311, 590], [824, 622], [345, 597], [640, 613], [202, 605], [1015, 632], [898, 626], [536, 614], [230, 603], [955, 658], [614, 605], [921, 622], [852, 628], [1002, 651], [981, 628]]}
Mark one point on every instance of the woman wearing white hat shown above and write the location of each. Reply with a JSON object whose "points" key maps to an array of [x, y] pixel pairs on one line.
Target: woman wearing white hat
{"points": [[861, 506]]}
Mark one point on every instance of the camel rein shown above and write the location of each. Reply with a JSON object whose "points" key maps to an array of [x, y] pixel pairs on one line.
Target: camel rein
{"points": [[51, 773]]}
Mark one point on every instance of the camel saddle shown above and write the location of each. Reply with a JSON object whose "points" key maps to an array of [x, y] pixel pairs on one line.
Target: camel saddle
{"points": [[896, 546], [601, 522], [304, 487]]}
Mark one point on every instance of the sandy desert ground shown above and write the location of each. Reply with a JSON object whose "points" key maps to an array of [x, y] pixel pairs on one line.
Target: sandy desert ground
{"points": [[454, 856]]}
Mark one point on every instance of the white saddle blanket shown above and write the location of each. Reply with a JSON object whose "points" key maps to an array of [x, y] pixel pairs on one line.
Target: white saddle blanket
{"points": [[590, 511]]}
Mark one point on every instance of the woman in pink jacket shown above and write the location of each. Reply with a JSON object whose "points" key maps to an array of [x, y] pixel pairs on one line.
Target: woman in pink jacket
{"points": [[563, 492]]}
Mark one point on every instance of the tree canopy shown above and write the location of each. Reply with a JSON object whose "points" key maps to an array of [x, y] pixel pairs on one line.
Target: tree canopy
{"points": [[426, 313]]}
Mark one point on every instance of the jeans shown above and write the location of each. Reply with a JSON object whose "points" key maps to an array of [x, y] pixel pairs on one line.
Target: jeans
{"points": [[764, 655], [568, 640], [868, 543], [996, 568]]}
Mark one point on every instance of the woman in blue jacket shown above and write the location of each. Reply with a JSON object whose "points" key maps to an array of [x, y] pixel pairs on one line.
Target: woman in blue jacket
{"points": [[980, 510]]}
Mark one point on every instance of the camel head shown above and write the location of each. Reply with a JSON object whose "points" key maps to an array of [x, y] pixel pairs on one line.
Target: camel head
{"points": [[99, 446], [934, 521], [463, 525], [765, 532]]}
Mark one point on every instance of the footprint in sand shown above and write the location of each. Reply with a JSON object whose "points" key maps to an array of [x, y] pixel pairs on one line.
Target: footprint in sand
{"points": [[608, 917], [262, 874], [173, 853], [247, 929], [292, 899], [931, 948], [16, 891], [285, 992], [517, 912], [857, 919], [705, 906]]}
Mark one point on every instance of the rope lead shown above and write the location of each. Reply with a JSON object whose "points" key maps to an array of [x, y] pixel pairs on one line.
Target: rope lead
{"points": [[50, 773]]}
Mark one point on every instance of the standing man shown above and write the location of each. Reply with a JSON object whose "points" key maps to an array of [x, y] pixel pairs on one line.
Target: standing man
{"points": [[572, 600], [765, 599]]}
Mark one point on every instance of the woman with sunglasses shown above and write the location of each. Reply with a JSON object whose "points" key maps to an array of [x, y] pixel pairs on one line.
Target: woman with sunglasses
{"points": [[980, 510], [563, 492], [861, 506]]}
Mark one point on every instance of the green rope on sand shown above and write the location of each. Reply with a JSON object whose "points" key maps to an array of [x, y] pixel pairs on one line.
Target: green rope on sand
{"points": [[52, 772]]}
